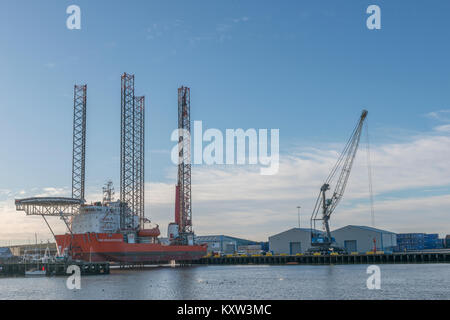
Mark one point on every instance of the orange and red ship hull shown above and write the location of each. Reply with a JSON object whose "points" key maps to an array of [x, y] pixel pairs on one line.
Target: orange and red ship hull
{"points": [[100, 247]]}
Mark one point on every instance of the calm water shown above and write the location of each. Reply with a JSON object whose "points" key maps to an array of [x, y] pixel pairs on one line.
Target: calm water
{"points": [[426, 281]]}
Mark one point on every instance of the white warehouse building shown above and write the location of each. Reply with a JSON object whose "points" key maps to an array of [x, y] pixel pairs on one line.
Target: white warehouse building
{"points": [[363, 239], [292, 241]]}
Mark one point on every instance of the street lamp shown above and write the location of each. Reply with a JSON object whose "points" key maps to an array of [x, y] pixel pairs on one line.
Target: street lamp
{"points": [[298, 207]]}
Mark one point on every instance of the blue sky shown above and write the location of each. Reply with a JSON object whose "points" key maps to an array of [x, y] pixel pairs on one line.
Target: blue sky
{"points": [[304, 67]]}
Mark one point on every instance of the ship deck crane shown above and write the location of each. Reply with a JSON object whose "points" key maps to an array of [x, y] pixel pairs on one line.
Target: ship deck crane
{"points": [[324, 207]]}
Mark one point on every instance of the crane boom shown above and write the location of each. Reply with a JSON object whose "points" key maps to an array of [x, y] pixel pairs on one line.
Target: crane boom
{"points": [[342, 169]]}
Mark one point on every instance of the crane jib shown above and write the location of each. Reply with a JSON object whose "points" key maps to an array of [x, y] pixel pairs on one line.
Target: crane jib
{"points": [[325, 205]]}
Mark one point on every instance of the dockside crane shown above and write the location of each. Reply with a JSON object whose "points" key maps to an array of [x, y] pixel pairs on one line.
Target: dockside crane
{"points": [[322, 241]]}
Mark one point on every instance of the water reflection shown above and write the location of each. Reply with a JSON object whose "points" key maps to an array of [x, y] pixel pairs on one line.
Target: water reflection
{"points": [[424, 281]]}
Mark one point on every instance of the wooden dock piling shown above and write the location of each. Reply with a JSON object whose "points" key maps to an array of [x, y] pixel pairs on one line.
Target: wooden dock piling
{"points": [[54, 268], [367, 258]]}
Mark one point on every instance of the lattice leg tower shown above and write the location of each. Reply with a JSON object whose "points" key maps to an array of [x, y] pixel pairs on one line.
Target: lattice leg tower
{"points": [[127, 150], [184, 166], [139, 158], [79, 141]]}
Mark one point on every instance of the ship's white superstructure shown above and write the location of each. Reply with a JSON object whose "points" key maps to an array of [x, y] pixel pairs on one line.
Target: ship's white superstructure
{"points": [[100, 218]]}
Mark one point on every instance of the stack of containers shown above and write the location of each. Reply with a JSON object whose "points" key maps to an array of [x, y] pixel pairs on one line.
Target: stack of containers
{"points": [[418, 241], [432, 241], [410, 241]]}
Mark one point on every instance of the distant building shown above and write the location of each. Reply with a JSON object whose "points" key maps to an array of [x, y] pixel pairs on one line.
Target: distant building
{"points": [[250, 249], [363, 239], [418, 241], [223, 244], [265, 246], [5, 254], [447, 241], [20, 250], [292, 241]]}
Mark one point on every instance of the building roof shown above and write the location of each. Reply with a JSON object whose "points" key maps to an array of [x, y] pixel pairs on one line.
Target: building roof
{"points": [[297, 229], [5, 252], [304, 229], [224, 237], [365, 228]]}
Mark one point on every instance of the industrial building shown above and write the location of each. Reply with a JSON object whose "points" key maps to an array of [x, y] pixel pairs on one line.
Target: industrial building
{"points": [[353, 238], [363, 239], [5, 254], [21, 250], [292, 241], [225, 244]]}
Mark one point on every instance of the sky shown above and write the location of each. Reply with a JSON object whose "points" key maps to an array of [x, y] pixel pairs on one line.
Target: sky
{"points": [[307, 68]]}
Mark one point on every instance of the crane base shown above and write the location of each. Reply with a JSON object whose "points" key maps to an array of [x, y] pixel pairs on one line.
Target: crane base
{"points": [[327, 250]]}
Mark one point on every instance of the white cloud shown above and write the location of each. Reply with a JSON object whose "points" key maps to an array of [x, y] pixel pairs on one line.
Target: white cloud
{"points": [[440, 115], [53, 192], [418, 214], [18, 228], [154, 31], [443, 128], [158, 30], [242, 19], [5, 193]]}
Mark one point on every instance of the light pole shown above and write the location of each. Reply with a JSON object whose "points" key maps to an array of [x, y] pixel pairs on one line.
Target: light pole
{"points": [[298, 207]]}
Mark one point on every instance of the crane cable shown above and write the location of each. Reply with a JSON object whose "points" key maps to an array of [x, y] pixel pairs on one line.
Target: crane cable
{"points": [[369, 171]]}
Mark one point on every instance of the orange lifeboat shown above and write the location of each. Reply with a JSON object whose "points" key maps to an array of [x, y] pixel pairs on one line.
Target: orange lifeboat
{"points": [[154, 232]]}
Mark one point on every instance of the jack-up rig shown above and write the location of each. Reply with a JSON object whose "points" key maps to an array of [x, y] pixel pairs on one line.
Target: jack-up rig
{"points": [[111, 230], [322, 242]]}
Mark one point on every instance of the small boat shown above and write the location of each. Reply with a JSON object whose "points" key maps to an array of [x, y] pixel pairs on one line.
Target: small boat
{"points": [[35, 273]]}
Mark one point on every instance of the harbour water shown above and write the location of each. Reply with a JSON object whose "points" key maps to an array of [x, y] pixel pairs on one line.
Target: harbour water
{"points": [[413, 281]]}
